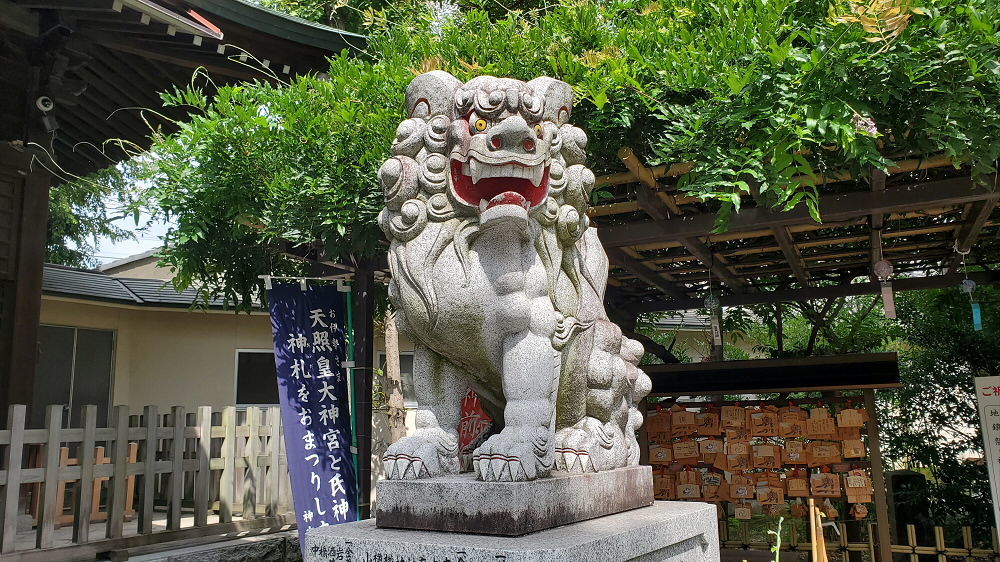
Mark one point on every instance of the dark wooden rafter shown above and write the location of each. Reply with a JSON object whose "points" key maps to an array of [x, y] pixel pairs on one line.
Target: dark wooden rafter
{"points": [[930, 218], [835, 207], [618, 257], [813, 293], [715, 263], [791, 253], [979, 213], [661, 206]]}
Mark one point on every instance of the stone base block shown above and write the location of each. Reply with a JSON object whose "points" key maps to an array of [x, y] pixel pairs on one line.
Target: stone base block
{"points": [[665, 531], [462, 504]]}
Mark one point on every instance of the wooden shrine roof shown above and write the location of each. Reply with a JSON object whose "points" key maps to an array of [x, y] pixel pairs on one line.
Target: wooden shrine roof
{"points": [[101, 60], [920, 216]]}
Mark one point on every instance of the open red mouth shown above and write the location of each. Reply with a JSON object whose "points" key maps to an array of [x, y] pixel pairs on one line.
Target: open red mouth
{"points": [[484, 185]]}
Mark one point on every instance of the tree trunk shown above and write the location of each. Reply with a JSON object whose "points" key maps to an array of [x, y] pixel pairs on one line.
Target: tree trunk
{"points": [[779, 329], [396, 409]]}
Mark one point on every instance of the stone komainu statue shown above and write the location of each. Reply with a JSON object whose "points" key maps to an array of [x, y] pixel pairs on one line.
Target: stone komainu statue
{"points": [[499, 281]]}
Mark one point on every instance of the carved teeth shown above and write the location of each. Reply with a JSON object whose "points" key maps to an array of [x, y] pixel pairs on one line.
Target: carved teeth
{"points": [[482, 205], [478, 170], [536, 175]]}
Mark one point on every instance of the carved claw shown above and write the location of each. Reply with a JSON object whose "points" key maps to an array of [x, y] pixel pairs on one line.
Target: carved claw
{"points": [[425, 454], [589, 447], [513, 455]]}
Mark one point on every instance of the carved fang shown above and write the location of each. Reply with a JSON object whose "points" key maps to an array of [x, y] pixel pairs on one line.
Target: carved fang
{"points": [[477, 168], [536, 175]]}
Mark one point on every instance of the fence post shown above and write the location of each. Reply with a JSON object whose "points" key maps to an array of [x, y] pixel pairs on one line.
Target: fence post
{"points": [[251, 475], [151, 421], [227, 479], [175, 489], [85, 487], [119, 473], [48, 503], [274, 452], [202, 479], [12, 488]]}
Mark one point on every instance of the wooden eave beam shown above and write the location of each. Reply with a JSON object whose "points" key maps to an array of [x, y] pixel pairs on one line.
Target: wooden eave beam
{"points": [[152, 29], [834, 207], [157, 52], [164, 15], [74, 5], [17, 17], [618, 257], [813, 293], [968, 233]]}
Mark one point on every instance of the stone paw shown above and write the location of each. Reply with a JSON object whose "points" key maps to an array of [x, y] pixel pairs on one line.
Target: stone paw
{"points": [[425, 454], [589, 446], [514, 455]]}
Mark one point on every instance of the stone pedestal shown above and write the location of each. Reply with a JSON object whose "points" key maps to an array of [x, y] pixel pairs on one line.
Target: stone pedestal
{"points": [[665, 531], [462, 504]]}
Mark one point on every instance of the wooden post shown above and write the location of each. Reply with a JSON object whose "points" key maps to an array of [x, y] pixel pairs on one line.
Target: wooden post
{"points": [[119, 474], [48, 503], [203, 479], [150, 419], [95, 507], [274, 452], [22, 297], [878, 480], [83, 506], [364, 332], [175, 488], [227, 479], [251, 475], [12, 488]]}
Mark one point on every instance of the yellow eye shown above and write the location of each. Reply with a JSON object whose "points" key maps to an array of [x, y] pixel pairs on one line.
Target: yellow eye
{"points": [[480, 125], [538, 130]]}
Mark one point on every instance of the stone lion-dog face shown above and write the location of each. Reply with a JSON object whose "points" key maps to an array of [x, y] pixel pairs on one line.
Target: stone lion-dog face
{"points": [[499, 281]]}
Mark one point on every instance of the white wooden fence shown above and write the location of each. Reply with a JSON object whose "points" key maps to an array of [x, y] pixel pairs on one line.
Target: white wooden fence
{"points": [[165, 478]]}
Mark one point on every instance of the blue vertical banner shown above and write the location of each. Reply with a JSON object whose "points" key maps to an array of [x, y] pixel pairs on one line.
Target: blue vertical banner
{"points": [[309, 351]]}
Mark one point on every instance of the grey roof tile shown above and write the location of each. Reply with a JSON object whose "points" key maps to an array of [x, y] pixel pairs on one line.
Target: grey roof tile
{"points": [[94, 285]]}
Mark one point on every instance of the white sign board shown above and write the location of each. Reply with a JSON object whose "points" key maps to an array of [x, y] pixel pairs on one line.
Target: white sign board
{"points": [[988, 398]]}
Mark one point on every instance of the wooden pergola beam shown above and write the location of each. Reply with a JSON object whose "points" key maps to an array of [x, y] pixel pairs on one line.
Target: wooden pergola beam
{"points": [[661, 206], [716, 264], [646, 194], [791, 253], [813, 293], [618, 257], [834, 207], [979, 213]]}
